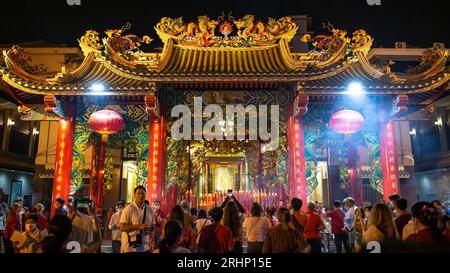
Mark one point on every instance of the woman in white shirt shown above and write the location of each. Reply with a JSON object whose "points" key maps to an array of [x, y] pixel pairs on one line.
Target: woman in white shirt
{"points": [[256, 228], [201, 223]]}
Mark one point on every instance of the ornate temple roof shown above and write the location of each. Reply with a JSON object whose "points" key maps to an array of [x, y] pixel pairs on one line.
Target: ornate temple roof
{"points": [[226, 50]]}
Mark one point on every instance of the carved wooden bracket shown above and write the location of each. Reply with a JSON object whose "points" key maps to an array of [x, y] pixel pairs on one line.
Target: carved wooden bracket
{"points": [[52, 106], [152, 106], [400, 105], [300, 105]]}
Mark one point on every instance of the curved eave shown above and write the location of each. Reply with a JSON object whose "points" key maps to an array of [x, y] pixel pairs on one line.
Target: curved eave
{"points": [[136, 64], [115, 85], [373, 85], [79, 72], [436, 68], [61, 78], [284, 75]]}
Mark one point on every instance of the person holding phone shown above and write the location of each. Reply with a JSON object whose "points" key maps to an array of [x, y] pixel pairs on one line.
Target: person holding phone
{"points": [[137, 222], [85, 228], [232, 198]]}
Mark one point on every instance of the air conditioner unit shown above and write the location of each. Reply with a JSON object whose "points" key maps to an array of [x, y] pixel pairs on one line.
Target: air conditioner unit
{"points": [[400, 45], [439, 45]]}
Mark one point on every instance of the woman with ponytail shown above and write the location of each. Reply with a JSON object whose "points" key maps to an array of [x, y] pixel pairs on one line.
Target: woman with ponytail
{"points": [[425, 223], [284, 239], [172, 237]]}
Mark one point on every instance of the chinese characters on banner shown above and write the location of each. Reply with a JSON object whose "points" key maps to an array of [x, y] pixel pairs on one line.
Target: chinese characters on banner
{"points": [[63, 161], [155, 161], [389, 161], [297, 174]]}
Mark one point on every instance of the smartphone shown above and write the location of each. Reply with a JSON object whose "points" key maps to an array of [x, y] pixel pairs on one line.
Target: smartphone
{"points": [[230, 193], [83, 203]]}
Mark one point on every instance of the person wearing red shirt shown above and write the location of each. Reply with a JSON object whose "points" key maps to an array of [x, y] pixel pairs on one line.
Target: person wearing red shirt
{"points": [[299, 218], [312, 229], [160, 221], [337, 228], [216, 238], [12, 224], [425, 220], [402, 216], [42, 220], [446, 223]]}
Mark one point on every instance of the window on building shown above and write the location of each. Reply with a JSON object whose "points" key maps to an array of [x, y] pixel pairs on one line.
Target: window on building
{"points": [[35, 141], [20, 133], [428, 134], [447, 128], [431, 197]]}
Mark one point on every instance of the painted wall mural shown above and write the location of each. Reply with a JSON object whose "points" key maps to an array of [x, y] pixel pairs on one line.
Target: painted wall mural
{"points": [[275, 169], [318, 137], [135, 136], [81, 138], [177, 162]]}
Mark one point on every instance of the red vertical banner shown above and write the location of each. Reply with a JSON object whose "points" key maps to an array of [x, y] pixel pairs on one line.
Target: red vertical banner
{"points": [[297, 172], [161, 159], [389, 161], [155, 174], [63, 158], [150, 160], [152, 173]]}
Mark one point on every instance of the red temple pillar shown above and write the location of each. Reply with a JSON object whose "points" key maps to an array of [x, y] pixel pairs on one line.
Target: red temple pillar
{"points": [[389, 161], [352, 171], [296, 147], [63, 159], [98, 200], [93, 171]]}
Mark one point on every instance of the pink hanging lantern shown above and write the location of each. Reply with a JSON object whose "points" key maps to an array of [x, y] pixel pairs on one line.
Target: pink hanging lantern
{"points": [[106, 122], [346, 122]]}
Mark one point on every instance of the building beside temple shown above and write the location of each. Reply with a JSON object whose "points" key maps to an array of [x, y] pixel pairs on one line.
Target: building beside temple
{"points": [[325, 151]]}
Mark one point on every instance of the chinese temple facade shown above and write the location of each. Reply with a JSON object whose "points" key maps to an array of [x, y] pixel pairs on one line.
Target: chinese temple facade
{"points": [[339, 103]]}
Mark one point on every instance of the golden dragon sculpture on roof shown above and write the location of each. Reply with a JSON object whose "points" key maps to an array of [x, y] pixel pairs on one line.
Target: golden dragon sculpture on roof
{"points": [[244, 32]]}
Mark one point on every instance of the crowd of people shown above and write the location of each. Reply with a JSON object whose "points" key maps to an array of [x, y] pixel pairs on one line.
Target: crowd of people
{"points": [[140, 227]]}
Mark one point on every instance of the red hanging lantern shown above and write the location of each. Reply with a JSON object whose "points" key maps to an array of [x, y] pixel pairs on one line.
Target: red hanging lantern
{"points": [[106, 122], [346, 122]]}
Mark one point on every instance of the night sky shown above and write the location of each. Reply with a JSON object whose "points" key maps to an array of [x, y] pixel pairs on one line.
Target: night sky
{"points": [[419, 23]]}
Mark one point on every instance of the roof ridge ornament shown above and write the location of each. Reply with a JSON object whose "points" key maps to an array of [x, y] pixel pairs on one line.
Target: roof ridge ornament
{"points": [[126, 46], [247, 32], [431, 63], [90, 41], [327, 49], [361, 41]]}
